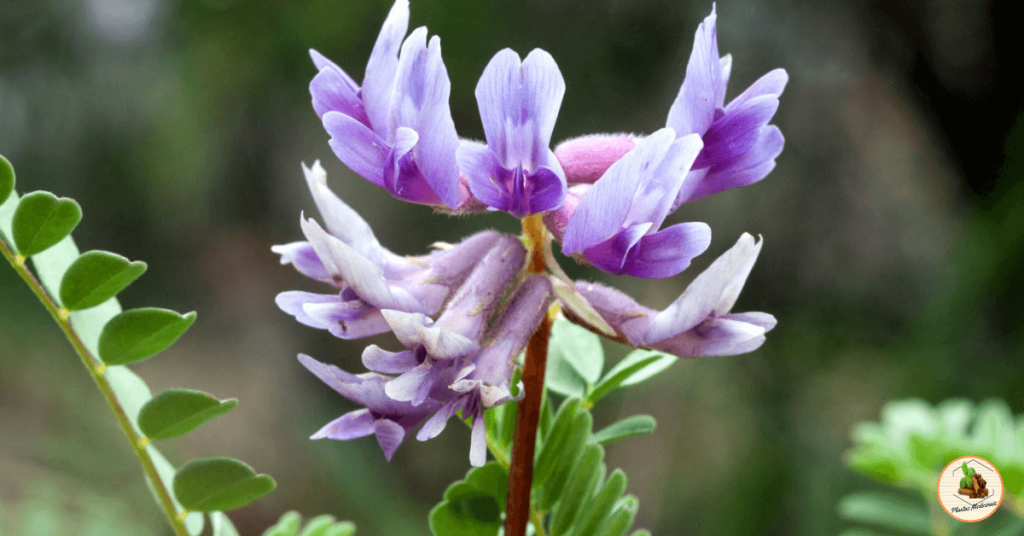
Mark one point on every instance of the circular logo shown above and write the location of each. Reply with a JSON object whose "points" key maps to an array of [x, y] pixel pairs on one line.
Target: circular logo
{"points": [[970, 489]]}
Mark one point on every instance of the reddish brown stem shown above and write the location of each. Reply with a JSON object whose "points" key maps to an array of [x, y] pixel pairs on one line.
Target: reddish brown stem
{"points": [[524, 441]]}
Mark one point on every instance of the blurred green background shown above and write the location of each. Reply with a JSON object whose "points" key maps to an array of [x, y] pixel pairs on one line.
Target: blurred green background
{"points": [[890, 228]]}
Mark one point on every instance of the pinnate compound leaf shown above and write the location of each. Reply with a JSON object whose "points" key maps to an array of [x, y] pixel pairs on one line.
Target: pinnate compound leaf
{"points": [[602, 504], [42, 220], [288, 525], [628, 427], [575, 359], [95, 277], [194, 521], [175, 412], [210, 484], [140, 334], [6, 179], [638, 366], [886, 510], [472, 507], [221, 525]]}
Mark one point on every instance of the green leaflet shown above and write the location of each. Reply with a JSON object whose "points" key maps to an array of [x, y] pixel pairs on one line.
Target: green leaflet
{"points": [[221, 525], [473, 506], [628, 427], [96, 277], [575, 359], [211, 484], [175, 412], [6, 179], [288, 525], [42, 220], [139, 334]]}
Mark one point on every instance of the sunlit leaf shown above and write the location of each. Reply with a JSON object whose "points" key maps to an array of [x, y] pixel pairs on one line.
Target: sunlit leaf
{"points": [[42, 220], [95, 277], [179, 411], [638, 366], [139, 334], [210, 484]]}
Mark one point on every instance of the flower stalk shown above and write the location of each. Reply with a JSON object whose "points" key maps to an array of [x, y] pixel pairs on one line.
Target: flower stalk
{"points": [[518, 512], [97, 369]]}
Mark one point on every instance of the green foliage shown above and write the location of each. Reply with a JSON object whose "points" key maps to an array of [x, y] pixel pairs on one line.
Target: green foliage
{"points": [[911, 445], [212, 484], [576, 358], [6, 179], [221, 525], [175, 412], [44, 510], [628, 427], [95, 277], [40, 225], [472, 506], [42, 220], [140, 334]]}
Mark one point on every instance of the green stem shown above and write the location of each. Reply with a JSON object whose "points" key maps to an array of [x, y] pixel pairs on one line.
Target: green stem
{"points": [[97, 369]]}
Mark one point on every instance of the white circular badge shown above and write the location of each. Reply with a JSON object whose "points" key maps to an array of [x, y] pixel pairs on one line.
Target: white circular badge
{"points": [[970, 489]]}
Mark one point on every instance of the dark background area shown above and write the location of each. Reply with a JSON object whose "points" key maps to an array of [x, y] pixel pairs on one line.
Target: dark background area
{"points": [[893, 226]]}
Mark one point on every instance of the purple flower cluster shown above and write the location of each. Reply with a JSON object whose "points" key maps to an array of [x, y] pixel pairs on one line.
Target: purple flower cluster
{"points": [[463, 313]]}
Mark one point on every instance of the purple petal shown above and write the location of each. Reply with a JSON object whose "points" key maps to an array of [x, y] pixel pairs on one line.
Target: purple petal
{"points": [[332, 91], [557, 220], [303, 257], [694, 107], [409, 386], [548, 189], [772, 83], [357, 146], [352, 425], [714, 337], [414, 329], [389, 435], [379, 81], [519, 103], [292, 302], [379, 360], [669, 251], [745, 170], [346, 265], [482, 166], [726, 63], [339, 219], [420, 102], [321, 62], [348, 320], [512, 331], [585, 159], [659, 184], [469, 310], [737, 131], [478, 443], [712, 293], [763, 320], [402, 177], [623, 313], [436, 424], [613, 254]]}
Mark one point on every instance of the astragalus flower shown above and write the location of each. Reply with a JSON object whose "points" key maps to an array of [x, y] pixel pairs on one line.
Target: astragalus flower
{"points": [[397, 130], [516, 171], [699, 322], [463, 314]]}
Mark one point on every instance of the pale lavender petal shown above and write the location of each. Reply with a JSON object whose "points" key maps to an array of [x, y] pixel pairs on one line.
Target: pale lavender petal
{"points": [[332, 91], [745, 170], [713, 292], [303, 257], [347, 320], [726, 63], [763, 320], [772, 83], [469, 310], [669, 251], [292, 302], [478, 443], [736, 132], [482, 166], [344, 264], [402, 177], [436, 424], [420, 102], [694, 107], [407, 387], [519, 103], [714, 337], [623, 313], [339, 219], [451, 267], [323, 62], [352, 425], [507, 339], [389, 435], [605, 208], [379, 81], [660, 183], [363, 151], [414, 329], [385, 362], [585, 159]]}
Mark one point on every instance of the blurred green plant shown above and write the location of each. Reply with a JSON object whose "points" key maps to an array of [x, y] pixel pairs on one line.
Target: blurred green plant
{"points": [[45, 511], [79, 292], [572, 494], [909, 448]]}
